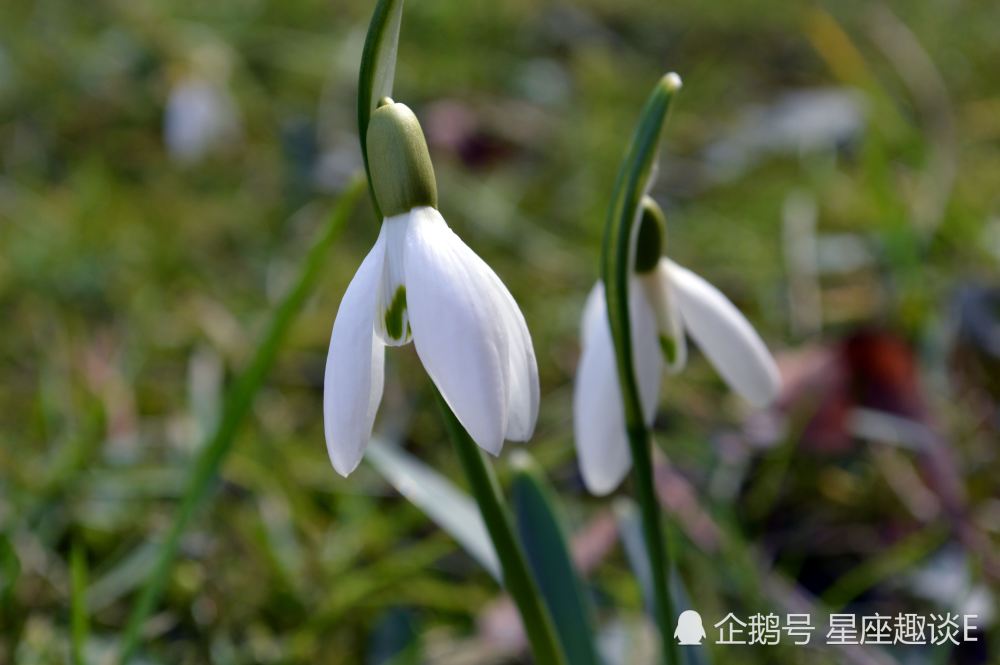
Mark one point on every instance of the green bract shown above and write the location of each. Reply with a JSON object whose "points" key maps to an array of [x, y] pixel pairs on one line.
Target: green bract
{"points": [[630, 187], [400, 165], [652, 236], [378, 69]]}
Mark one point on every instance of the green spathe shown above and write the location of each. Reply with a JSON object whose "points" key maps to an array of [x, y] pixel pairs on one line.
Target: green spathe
{"points": [[652, 234], [401, 170]]}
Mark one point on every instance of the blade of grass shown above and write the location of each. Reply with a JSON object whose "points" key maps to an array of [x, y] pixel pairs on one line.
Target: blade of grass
{"points": [[238, 403], [79, 621], [895, 560], [11, 616], [122, 578]]}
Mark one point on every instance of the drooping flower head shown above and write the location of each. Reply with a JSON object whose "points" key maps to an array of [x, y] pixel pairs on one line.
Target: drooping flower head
{"points": [[421, 283], [665, 302]]}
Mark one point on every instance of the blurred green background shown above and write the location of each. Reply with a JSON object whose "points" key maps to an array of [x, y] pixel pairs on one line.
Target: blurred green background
{"points": [[164, 167]]}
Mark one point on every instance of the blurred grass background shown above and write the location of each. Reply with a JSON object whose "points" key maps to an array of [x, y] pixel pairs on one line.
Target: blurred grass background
{"points": [[832, 167]]}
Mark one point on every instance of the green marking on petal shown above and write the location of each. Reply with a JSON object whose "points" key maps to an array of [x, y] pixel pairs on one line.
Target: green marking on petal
{"points": [[669, 347], [394, 315]]}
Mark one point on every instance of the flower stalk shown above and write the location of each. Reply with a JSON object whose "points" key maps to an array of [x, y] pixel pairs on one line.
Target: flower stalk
{"points": [[618, 262], [517, 576]]}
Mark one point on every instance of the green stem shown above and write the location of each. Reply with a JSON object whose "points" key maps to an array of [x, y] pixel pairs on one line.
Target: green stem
{"points": [[238, 404], [652, 531], [517, 577], [616, 269]]}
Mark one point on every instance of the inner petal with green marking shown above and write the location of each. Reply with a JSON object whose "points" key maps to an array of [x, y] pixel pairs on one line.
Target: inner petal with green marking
{"points": [[392, 321], [394, 315], [669, 324], [669, 347]]}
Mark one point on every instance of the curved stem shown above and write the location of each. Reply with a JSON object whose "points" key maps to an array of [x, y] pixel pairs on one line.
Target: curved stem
{"points": [[517, 576], [633, 180]]}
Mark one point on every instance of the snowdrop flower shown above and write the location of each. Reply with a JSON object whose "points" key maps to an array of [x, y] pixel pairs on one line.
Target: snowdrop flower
{"points": [[421, 283], [665, 301]]}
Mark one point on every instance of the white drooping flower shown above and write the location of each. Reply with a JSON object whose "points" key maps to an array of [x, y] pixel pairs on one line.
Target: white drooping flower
{"points": [[665, 302], [421, 283]]}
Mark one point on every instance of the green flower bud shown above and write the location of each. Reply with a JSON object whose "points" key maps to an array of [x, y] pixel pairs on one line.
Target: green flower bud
{"points": [[401, 170], [652, 236]]}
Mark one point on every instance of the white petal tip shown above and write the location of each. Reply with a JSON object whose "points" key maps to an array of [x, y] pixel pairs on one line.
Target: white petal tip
{"points": [[602, 487], [344, 467], [602, 477], [491, 447], [672, 81], [522, 437], [770, 392], [343, 459]]}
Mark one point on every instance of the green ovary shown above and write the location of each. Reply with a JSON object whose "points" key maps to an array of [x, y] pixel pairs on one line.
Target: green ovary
{"points": [[394, 314], [669, 347]]}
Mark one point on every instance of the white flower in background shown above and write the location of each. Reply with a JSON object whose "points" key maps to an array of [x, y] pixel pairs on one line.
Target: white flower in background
{"points": [[200, 115], [665, 301], [420, 282]]}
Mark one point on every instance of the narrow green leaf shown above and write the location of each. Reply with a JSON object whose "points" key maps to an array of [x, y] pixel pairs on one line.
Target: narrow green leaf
{"points": [[79, 621], [549, 557], [378, 70], [239, 401], [447, 506], [122, 578]]}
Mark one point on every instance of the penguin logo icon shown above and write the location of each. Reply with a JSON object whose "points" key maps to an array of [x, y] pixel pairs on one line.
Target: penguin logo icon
{"points": [[690, 630]]}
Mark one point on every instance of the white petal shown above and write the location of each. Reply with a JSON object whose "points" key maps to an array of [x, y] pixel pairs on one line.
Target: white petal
{"points": [[647, 356], [392, 320], [669, 323], [522, 369], [598, 415], [595, 313], [598, 419], [352, 387], [727, 338], [458, 326]]}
